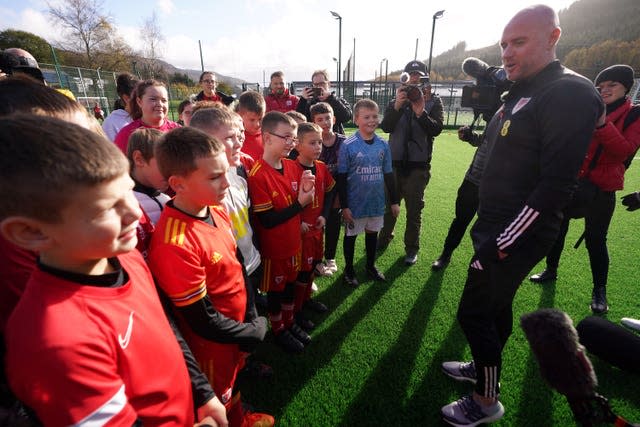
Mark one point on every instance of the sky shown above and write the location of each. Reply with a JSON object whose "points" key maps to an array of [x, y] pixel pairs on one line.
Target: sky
{"points": [[249, 39]]}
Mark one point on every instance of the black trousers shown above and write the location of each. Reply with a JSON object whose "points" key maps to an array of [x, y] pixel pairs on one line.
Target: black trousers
{"points": [[485, 311], [466, 207], [596, 227], [332, 233]]}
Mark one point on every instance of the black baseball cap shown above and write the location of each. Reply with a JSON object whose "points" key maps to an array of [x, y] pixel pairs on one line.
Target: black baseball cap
{"points": [[11, 63], [416, 67]]}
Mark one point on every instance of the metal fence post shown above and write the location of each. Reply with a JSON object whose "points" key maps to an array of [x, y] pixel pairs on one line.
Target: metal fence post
{"points": [[84, 89]]}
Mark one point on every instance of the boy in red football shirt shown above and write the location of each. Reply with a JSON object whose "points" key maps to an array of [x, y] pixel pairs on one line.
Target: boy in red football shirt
{"points": [[278, 194], [251, 108], [193, 257], [313, 218], [79, 340]]}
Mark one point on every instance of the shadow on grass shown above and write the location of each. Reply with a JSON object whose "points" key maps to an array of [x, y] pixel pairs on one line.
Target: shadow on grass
{"points": [[393, 374], [535, 396], [293, 372], [435, 391], [614, 383]]}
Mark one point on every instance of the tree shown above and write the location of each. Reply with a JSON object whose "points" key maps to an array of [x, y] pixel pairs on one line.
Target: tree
{"points": [[183, 78], [35, 45], [153, 39], [90, 30]]}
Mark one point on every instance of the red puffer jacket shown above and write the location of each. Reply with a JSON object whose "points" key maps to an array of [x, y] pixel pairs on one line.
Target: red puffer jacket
{"points": [[617, 144], [283, 103]]}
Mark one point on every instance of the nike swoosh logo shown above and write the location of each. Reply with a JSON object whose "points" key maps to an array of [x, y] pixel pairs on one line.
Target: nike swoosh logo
{"points": [[124, 341]]}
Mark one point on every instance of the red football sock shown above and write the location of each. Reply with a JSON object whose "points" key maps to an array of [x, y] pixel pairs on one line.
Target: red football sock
{"points": [[309, 290], [299, 296], [277, 325], [287, 314]]}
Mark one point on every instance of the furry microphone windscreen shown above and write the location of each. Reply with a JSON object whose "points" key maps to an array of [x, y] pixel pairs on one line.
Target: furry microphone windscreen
{"points": [[563, 362]]}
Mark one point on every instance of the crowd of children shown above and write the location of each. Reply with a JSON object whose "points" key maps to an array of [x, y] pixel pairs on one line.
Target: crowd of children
{"points": [[220, 212]]}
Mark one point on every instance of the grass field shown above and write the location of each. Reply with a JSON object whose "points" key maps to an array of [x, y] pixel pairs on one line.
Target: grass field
{"points": [[375, 357]]}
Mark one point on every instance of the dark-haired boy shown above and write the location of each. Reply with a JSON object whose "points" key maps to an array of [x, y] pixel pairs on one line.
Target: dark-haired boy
{"points": [[278, 194], [313, 218], [149, 182], [193, 257], [251, 107], [322, 115], [79, 339]]}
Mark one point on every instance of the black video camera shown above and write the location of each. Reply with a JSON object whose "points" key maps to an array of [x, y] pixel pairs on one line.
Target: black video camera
{"points": [[485, 96], [414, 91]]}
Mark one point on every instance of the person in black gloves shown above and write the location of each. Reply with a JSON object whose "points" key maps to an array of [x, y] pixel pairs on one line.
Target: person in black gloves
{"points": [[632, 201]]}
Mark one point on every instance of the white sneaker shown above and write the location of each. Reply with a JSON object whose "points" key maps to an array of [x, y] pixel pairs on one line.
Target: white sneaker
{"points": [[323, 270], [330, 265], [465, 412], [631, 323]]}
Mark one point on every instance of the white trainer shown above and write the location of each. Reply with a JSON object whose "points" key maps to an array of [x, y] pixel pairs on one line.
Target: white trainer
{"points": [[631, 323], [330, 265]]}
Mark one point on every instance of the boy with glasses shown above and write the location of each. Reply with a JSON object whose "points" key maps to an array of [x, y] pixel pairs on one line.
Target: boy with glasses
{"points": [[278, 194]]}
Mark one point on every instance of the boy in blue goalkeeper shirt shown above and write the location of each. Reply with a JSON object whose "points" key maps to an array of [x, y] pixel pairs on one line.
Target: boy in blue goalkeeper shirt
{"points": [[364, 168]]}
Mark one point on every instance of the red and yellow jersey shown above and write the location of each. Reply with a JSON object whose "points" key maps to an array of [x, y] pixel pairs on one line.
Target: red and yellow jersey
{"points": [[252, 146], [80, 354], [191, 258], [270, 189], [324, 183]]}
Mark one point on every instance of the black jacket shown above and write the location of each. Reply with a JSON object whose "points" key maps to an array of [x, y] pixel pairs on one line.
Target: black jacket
{"points": [[411, 137], [538, 140], [341, 110], [226, 99]]}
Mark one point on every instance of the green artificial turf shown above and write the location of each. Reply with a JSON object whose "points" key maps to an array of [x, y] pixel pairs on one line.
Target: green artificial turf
{"points": [[375, 356]]}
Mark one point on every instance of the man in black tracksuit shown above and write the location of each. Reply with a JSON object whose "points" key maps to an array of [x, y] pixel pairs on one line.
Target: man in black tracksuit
{"points": [[542, 134]]}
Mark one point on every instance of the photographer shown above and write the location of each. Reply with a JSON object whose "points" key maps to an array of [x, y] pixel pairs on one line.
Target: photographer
{"points": [[319, 92], [413, 119]]}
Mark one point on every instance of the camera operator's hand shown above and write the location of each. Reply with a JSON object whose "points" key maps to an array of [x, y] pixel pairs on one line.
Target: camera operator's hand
{"points": [[401, 98], [464, 133], [307, 93], [632, 201]]}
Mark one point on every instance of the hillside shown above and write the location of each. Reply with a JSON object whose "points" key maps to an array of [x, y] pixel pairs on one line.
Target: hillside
{"points": [[233, 82], [586, 23]]}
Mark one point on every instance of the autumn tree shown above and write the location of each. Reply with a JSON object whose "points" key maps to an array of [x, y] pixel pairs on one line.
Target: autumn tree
{"points": [[35, 45], [153, 39], [90, 30]]}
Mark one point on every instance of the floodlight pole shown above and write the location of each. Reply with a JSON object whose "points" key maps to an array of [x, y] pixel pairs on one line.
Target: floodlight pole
{"points": [[436, 15], [339, 18]]}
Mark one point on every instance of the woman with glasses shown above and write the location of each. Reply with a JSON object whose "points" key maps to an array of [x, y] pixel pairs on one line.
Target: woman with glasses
{"points": [[209, 83]]}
